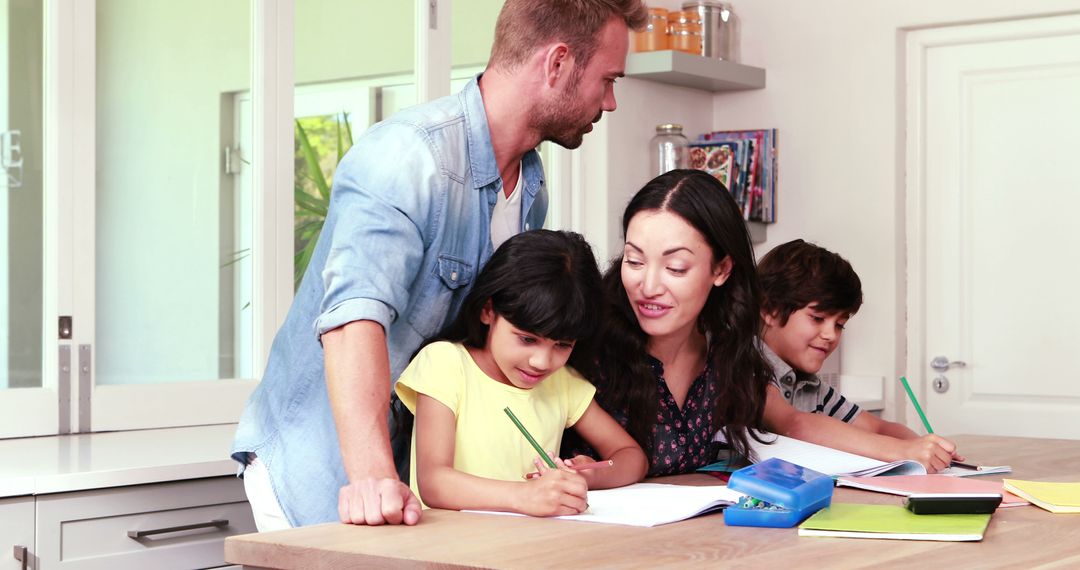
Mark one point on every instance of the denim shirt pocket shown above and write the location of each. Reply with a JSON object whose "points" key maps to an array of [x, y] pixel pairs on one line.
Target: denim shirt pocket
{"points": [[448, 277]]}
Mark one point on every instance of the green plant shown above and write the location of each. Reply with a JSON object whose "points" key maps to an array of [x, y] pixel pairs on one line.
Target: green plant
{"points": [[312, 187]]}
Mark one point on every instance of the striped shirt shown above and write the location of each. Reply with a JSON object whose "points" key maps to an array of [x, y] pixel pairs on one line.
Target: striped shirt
{"points": [[806, 392]]}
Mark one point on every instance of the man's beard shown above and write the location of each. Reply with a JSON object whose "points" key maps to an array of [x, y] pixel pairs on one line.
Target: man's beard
{"points": [[559, 121]]}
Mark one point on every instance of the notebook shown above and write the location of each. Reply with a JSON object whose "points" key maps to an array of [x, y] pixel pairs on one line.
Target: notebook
{"points": [[841, 463], [651, 504], [1054, 497], [847, 520], [906, 485]]}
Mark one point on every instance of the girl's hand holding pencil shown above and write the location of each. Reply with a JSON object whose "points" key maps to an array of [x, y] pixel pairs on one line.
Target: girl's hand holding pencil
{"points": [[554, 492], [580, 464]]}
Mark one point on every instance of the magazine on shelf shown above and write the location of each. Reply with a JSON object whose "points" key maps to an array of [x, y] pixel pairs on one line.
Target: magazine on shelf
{"points": [[751, 176]]}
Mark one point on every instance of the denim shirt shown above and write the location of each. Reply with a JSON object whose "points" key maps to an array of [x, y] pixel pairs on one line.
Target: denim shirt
{"points": [[407, 231]]}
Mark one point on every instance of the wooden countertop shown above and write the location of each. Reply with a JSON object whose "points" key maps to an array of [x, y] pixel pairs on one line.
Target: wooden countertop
{"points": [[1018, 537]]}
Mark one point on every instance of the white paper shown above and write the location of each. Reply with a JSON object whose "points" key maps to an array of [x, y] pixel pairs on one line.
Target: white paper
{"points": [[828, 460], [651, 504]]}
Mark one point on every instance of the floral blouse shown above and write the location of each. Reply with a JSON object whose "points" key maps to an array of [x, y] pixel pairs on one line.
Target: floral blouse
{"points": [[682, 438]]}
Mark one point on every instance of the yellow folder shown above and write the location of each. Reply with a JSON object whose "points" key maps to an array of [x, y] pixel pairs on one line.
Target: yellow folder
{"points": [[1054, 497]]}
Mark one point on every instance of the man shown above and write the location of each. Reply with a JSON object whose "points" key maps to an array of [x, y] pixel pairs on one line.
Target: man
{"points": [[418, 205]]}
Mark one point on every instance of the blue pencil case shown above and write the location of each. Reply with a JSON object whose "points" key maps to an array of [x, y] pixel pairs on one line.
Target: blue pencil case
{"points": [[779, 494]]}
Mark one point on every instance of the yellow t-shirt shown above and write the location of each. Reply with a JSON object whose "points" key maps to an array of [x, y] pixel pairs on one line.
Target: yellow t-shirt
{"points": [[486, 442]]}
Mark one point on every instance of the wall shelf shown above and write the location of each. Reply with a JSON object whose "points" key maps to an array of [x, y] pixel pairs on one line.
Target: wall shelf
{"points": [[688, 70]]}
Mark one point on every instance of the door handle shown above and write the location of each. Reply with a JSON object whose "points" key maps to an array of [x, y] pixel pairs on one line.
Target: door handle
{"points": [[22, 556], [942, 363]]}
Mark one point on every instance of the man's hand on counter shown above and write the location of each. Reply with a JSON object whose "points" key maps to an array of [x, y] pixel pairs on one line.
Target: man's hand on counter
{"points": [[376, 501]]}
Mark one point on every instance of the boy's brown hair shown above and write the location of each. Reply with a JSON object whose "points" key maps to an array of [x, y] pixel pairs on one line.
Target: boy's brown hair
{"points": [[525, 25], [798, 274]]}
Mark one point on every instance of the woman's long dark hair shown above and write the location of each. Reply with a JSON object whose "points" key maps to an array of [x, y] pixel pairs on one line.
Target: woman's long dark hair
{"points": [[730, 317], [543, 282]]}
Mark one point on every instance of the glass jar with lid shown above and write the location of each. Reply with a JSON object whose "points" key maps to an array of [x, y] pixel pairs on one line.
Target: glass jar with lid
{"points": [[655, 35], [684, 27], [668, 149]]}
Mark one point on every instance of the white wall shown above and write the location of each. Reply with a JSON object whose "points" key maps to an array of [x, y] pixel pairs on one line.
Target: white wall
{"points": [[834, 89], [616, 154], [835, 92]]}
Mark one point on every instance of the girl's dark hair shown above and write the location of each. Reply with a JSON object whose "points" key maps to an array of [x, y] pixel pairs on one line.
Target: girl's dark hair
{"points": [[544, 282], [799, 274], [730, 318]]}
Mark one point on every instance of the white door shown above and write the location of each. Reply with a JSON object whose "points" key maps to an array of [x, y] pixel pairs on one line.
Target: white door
{"points": [[993, 184]]}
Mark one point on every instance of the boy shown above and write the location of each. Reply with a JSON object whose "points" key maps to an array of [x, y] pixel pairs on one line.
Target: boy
{"points": [[808, 295]]}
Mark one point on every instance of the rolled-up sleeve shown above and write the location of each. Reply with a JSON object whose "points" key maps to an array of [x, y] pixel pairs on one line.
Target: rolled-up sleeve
{"points": [[381, 211]]}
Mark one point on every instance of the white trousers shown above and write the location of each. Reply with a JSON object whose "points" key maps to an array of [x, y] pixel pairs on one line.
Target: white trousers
{"points": [[261, 497]]}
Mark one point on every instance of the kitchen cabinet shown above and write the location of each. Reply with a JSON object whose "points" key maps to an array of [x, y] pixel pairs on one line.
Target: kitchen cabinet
{"points": [[147, 499], [16, 532], [166, 525]]}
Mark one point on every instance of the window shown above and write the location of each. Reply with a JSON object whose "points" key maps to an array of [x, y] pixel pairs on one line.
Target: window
{"points": [[149, 152]]}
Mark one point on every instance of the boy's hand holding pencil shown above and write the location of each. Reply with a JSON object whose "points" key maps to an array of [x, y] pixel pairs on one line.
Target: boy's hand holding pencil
{"points": [[933, 451]]}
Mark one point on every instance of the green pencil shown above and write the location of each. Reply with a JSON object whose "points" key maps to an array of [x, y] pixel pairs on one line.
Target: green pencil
{"points": [[528, 436], [915, 403]]}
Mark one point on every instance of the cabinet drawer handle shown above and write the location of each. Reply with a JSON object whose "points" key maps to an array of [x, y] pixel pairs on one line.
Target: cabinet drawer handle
{"points": [[22, 556], [216, 523]]}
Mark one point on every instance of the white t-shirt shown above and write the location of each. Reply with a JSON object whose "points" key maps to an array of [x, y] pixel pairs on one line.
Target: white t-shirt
{"points": [[506, 217]]}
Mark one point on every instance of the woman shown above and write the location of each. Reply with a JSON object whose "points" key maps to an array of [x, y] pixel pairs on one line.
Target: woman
{"points": [[679, 361]]}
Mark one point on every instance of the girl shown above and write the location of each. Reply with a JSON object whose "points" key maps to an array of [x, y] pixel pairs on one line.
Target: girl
{"points": [[533, 309], [680, 362]]}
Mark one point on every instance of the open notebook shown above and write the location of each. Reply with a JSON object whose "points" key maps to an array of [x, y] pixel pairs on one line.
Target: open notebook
{"points": [[651, 504], [841, 463]]}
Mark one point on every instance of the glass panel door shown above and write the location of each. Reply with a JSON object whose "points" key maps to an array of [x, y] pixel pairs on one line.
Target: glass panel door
{"points": [[172, 340], [27, 405], [344, 83]]}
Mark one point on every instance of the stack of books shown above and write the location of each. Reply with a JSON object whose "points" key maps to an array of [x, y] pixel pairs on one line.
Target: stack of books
{"points": [[745, 163]]}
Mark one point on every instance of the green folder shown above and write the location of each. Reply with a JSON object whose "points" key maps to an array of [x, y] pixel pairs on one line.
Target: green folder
{"points": [[848, 520]]}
